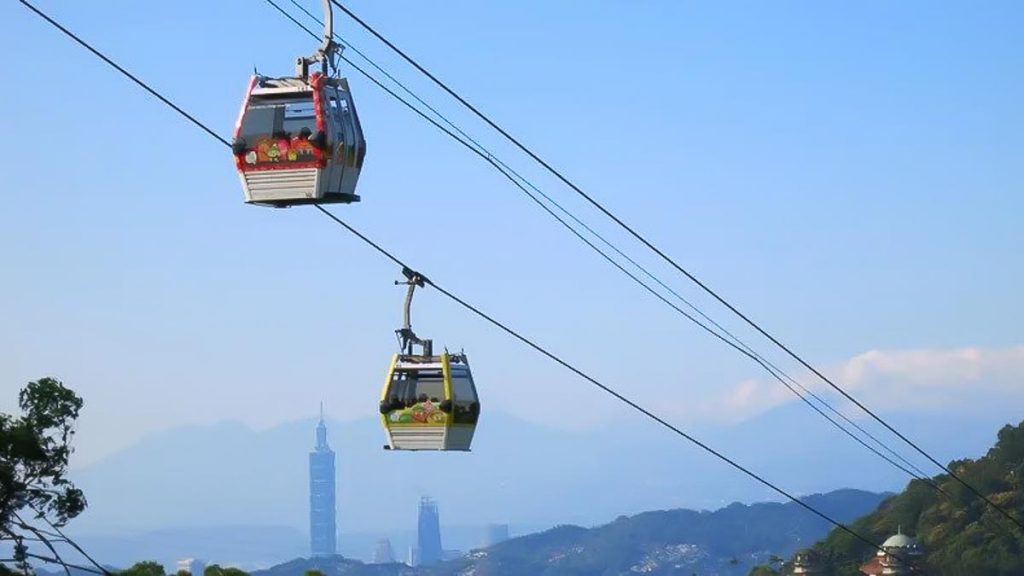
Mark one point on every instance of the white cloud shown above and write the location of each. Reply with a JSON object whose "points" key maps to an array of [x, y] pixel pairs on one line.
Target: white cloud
{"points": [[886, 380], [747, 399]]}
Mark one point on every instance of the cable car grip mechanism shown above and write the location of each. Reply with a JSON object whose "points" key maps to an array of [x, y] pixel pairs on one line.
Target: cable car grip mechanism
{"points": [[327, 50], [406, 337]]}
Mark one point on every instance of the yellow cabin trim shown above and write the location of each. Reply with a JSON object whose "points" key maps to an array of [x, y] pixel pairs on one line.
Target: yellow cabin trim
{"points": [[387, 386], [447, 374]]}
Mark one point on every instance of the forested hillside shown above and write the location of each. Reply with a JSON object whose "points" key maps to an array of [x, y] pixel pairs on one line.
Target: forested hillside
{"points": [[961, 534]]}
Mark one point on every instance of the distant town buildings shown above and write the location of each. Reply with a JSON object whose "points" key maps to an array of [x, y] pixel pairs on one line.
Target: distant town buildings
{"points": [[322, 524], [495, 534], [383, 554], [428, 534], [900, 555], [192, 566]]}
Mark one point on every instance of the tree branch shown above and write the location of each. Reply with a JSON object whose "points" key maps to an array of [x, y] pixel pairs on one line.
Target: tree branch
{"points": [[74, 545], [45, 542]]}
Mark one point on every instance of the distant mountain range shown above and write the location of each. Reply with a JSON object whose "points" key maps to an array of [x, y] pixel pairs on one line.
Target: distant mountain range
{"points": [[255, 547], [726, 542], [169, 495]]}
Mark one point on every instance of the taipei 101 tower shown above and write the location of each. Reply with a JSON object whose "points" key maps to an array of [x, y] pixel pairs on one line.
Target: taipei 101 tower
{"points": [[322, 527]]}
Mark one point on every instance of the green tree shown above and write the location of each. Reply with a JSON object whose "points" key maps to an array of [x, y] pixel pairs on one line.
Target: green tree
{"points": [[145, 568], [217, 570], [34, 451], [960, 534]]}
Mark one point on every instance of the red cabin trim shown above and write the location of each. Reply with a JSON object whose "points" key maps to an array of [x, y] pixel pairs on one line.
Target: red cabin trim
{"points": [[240, 158], [316, 81], [245, 104]]}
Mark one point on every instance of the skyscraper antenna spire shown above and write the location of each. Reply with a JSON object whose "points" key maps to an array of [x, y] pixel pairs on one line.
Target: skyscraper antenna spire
{"points": [[321, 410]]}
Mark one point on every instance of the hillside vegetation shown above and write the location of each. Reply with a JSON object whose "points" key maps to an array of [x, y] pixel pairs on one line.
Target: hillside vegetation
{"points": [[962, 535]]}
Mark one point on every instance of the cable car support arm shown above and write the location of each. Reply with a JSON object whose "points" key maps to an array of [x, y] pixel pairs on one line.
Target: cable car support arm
{"points": [[406, 337], [325, 53]]}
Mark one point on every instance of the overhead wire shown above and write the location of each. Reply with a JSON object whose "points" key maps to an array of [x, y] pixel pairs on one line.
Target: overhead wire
{"points": [[519, 181], [692, 277], [66, 565], [64, 538], [47, 539], [528, 342], [126, 73], [607, 389]]}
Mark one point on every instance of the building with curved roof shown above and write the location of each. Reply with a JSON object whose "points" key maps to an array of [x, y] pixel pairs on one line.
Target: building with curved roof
{"points": [[901, 555]]}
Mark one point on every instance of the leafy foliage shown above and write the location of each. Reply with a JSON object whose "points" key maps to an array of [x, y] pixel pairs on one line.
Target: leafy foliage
{"points": [[217, 570], [34, 452], [961, 534], [146, 568], [153, 568]]}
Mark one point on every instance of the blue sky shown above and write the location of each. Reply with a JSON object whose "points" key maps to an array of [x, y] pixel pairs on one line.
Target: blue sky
{"points": [[849, 174]]}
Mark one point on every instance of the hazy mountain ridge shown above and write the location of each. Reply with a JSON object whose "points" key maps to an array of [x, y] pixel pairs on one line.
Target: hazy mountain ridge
{"points": [[247, 547], [217, 474], [211, 477], [725, 542], [254, 547]]}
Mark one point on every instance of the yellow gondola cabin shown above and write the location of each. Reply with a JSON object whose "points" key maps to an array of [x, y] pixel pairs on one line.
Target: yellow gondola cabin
{"points": [[429, 403]]}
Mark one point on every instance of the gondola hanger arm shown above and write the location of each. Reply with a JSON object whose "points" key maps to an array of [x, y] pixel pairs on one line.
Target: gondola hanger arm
{"points": [[407, 338], [328, 48]]}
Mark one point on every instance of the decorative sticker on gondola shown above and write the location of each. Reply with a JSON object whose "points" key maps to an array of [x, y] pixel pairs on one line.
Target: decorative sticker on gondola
{"points": [[271, 150], [420, 413]]}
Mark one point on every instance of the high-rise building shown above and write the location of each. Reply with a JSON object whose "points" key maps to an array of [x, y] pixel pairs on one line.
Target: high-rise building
{"points": [[384, 554], [429, 533], [322, 527]]}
